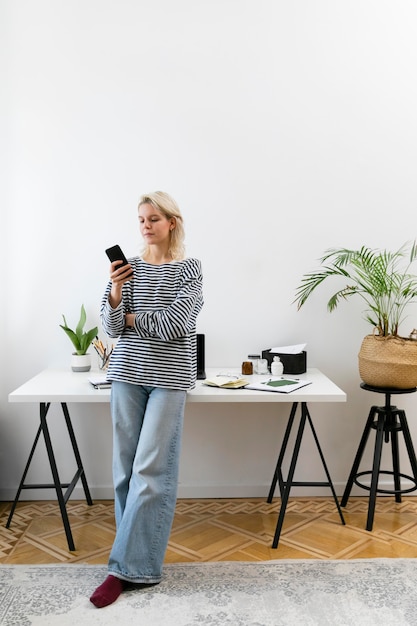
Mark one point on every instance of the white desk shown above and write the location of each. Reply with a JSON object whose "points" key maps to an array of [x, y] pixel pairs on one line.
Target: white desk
{"points": [[65, 387]]}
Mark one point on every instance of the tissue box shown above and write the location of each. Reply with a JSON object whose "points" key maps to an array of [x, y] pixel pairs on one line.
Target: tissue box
{"points": [[293, 363]]}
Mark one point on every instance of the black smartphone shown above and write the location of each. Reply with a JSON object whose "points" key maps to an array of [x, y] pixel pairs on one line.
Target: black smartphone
{"points": [[115, 254]]}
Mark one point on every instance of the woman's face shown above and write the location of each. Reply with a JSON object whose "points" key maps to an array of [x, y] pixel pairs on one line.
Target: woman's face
{"points": [[154, 226]]}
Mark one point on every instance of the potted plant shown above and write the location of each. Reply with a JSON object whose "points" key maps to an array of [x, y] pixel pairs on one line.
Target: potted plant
{"points": [[383, 280], [81, 340]]}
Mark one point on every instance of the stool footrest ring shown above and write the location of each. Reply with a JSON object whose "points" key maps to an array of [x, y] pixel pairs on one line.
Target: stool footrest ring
{"points": [[388, 491]]}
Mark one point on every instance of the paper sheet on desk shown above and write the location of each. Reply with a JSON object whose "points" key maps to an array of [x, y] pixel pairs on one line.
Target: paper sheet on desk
{"points": [[282, 384], [295, 349]]}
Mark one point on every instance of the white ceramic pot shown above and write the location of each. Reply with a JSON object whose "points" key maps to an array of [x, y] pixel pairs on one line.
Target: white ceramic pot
{"points": [[80, 362]]}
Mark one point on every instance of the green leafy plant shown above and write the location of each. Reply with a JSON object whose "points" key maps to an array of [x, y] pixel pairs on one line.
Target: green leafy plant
{"points": [[380, 277], [81, 339]]}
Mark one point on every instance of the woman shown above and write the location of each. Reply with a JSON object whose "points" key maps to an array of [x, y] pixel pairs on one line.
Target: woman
{"points": [[153, 312]]}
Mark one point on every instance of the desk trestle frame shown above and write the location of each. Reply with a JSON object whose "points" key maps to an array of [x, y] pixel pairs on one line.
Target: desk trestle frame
{"points": [[62, 496], [286, 485]]}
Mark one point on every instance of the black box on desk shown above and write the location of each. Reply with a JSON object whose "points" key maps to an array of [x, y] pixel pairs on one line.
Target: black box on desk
{"points": [[201, 356], [293, 363]]}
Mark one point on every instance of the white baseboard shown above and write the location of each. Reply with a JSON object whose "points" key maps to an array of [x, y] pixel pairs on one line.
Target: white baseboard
{"points": [[197, 491], [97, 493]]}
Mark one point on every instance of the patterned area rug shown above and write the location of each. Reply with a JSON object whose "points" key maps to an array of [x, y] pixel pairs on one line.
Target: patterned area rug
{"points": [[273, 593]]}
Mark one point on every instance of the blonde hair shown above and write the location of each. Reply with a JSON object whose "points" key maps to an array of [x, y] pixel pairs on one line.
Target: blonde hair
{"points": [[170, 209]]}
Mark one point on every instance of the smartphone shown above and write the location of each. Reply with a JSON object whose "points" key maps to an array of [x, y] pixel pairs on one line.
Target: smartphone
{"points": [[115, 254]]}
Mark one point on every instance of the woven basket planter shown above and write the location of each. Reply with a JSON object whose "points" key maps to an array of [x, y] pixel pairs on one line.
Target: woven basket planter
{"points": [[388, 362]]}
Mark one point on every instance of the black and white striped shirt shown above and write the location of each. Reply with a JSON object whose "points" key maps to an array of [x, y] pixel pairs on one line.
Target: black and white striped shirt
{"points": [[161, 350]]}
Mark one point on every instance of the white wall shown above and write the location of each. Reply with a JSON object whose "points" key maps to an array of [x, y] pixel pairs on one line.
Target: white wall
{"points": [[282, 129]]}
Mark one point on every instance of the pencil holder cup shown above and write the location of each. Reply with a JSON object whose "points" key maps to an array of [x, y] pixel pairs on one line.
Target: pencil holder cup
{"points": [[103, 354], [103, 362]]}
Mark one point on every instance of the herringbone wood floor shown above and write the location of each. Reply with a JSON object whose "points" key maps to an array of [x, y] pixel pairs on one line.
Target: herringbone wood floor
{"points": [[218, 530]]}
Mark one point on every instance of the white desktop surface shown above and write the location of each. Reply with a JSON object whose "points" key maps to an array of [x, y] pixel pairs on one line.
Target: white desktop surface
{"points": [[63, 385]]}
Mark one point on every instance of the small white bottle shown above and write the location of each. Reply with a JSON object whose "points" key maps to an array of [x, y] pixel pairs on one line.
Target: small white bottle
{"points": [[277, 366]]}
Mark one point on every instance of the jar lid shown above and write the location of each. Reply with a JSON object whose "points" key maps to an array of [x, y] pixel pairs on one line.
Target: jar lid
{"points": [[254, 356]]}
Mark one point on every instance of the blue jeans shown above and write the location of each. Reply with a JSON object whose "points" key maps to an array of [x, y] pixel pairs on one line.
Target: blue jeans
{"points": [[147, 430]]}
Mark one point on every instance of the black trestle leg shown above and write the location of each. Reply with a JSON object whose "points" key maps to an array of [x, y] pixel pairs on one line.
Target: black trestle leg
{"points": [[287, 484], [57, 485]]}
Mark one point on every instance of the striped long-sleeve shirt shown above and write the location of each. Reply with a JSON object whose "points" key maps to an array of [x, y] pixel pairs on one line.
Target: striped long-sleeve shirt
{"points": [[161, 349]]}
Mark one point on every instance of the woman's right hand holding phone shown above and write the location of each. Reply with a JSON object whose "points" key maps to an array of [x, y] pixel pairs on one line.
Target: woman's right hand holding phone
{"points": [[119, 275]]}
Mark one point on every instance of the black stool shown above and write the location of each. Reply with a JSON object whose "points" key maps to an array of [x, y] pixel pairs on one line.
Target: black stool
{"points": [[386, 420]]}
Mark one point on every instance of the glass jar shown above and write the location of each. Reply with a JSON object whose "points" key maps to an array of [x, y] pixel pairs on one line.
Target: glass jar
{"points": [[255, 361], [247, 368], [262, 366]]}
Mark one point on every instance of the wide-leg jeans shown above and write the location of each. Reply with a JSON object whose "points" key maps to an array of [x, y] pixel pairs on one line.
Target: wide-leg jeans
{"points": [[147, 432]]}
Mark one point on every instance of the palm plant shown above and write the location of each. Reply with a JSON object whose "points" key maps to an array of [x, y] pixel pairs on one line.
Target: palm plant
{"points": [[381, 278], [81, 339]]}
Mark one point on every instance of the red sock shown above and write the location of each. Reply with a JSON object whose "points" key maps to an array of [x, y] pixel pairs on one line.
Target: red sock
{"points": [[108, 592]]}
